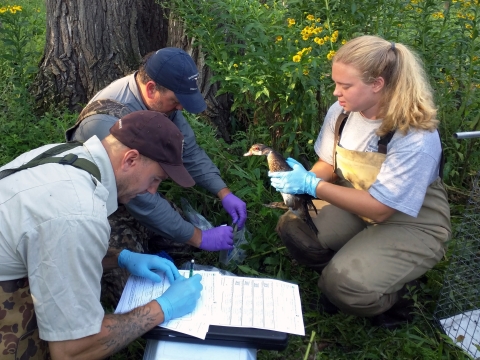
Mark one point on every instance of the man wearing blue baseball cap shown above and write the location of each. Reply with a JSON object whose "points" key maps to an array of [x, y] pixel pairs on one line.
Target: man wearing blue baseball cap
{"points": [[166, 82]]}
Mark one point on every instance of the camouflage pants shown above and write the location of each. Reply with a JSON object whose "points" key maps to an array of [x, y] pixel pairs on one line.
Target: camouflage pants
{"points": [[128, 233], [19, 338]]}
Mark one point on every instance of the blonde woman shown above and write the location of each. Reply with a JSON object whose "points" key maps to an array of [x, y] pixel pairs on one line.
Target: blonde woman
{"points": [[383, 216]]}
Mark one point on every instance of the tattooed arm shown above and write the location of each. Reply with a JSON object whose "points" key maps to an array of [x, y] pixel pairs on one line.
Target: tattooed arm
{"points": [[117, 331]]}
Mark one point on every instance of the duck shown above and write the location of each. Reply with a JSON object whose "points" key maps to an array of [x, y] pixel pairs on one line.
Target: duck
{"points": [[300, 203]]}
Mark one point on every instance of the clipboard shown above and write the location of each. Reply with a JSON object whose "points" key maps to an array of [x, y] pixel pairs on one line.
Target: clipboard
{"points": [[226, 336]]}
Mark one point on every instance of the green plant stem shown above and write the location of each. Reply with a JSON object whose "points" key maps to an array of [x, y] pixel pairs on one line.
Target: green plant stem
{"points": [[267, 252], [309, 345]]}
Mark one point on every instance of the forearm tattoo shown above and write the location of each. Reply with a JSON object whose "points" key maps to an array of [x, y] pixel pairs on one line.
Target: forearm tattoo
{"points": [[122, 329]]}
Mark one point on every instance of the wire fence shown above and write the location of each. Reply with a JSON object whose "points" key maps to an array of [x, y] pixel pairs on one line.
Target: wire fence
{"points": [[458, 307]]}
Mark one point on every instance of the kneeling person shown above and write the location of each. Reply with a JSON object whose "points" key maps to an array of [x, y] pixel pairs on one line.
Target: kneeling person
{"points": [[54, 238]]}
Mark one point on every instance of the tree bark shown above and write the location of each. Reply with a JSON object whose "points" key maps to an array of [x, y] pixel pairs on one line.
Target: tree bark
{"points": [[218, 107], [90, 43]]}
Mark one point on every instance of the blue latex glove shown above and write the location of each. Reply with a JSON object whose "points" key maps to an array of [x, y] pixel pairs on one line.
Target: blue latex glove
{"points": [[142, 264], [236, 208], [219, 238], [181, 297], [297, 181]]}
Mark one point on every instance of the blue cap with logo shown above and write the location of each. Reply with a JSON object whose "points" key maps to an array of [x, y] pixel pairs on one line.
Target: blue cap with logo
{"points": [[175, 70]]}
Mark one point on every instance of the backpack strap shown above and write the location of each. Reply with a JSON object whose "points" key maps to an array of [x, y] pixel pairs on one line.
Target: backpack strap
{"points": [[47, 157], [105, 107]]}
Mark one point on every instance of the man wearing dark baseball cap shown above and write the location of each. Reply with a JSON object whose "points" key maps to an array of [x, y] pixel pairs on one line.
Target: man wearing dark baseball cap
{"points": [[165, 82], [157, 138], [175, 70], [54, 254]]}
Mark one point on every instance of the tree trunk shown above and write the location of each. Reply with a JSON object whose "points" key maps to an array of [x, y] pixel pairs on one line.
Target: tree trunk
{"points": [[90, 43], [218, 107]]}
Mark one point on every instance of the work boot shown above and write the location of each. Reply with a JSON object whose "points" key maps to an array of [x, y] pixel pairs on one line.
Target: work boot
{"points": [[302, 243], [401, 312], [323, 306]]}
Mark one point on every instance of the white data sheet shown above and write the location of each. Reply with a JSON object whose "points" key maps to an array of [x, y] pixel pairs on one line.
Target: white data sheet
{"points": [[226, 301], [464, 330]]}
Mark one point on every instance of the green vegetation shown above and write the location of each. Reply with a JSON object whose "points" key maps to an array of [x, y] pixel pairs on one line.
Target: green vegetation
{"points": [[274, 59]]}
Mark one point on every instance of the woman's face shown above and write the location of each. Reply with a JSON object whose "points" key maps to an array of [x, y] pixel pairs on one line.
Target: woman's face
{"points": [[352, 93]]}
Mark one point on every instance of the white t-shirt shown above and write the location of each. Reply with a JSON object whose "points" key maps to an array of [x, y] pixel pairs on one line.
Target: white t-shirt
{"points": [[54, 229], [411, 165]]}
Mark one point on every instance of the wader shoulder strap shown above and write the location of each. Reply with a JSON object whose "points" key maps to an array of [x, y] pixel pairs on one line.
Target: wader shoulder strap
{"points": [[442, 157], [339, 125], [383, 142], [47, 157], [105, 107]]}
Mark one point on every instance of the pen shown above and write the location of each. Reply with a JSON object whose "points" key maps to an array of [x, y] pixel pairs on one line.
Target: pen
{"points": [[191, 268]]}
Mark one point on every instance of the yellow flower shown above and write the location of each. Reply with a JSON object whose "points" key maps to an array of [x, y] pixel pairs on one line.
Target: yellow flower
{"points": [[319, 41], [318, 20], [291, 22], [331, 54], [310, 17], [305, 72], [344, 42], [17, 7], [438, 15], [278, 38], [266, 6], [468, 26], [297, 58], [235, 65], [2, 10]]}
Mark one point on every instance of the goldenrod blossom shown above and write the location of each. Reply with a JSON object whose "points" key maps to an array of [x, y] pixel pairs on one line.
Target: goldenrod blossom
{"points": [[12, 9]]}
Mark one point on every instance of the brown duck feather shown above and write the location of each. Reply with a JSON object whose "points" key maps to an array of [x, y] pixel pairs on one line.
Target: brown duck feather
{"points": [[300, 203]]}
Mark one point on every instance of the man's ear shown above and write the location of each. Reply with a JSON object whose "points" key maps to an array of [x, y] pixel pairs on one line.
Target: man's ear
{"points": [[378, 84], [130, 159], [150, 89]]}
